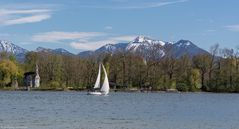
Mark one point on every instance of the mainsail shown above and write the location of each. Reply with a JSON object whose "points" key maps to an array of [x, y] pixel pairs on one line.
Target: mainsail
{"points": [[97, 83], [105, 87]]}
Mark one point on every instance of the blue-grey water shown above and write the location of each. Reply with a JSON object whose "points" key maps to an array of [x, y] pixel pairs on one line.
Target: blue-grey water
{"points": [[76, 110]]}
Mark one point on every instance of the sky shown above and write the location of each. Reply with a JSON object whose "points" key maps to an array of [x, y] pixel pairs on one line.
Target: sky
{"points": [[79, 25]]}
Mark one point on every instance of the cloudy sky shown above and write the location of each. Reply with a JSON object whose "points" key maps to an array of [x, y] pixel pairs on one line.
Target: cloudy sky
{"points": [[79, 25]]}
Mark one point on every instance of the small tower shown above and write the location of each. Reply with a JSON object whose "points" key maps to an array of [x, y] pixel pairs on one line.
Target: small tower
{"points": [[37, 78]]}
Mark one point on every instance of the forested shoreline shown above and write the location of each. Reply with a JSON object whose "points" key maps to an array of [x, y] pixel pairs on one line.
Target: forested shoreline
{"points": [[214, 72]]}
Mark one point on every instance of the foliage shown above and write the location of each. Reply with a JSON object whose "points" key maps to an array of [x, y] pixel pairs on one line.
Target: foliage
{"points": [[195, 81], [8, 70], [54, 84], [182, 87]]}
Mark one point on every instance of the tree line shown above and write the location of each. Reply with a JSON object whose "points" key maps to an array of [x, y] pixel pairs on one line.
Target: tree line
{"points": [[214, 72]]}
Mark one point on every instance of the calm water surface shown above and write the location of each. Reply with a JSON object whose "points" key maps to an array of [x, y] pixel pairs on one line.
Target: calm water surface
{"points": [[76, 110]]}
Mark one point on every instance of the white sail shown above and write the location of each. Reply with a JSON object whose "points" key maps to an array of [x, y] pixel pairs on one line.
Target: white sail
{"points": [[105, 87], [97, 83]]}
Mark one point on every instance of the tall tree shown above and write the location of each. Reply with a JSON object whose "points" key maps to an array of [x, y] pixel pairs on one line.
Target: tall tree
{"points": [[214, 50], [202, 62]]}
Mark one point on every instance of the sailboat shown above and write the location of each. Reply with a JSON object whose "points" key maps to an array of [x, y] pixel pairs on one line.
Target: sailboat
{"points": [[104, 89]]}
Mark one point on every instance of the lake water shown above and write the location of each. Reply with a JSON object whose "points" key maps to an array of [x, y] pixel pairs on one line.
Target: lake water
{"points": [[76, 110]]}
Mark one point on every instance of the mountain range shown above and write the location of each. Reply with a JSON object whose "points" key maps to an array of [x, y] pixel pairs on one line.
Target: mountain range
{"points": [[144, 45], [140, 44]]}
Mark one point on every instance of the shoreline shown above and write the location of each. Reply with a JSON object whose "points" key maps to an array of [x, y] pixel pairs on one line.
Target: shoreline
{"points": [[133, 90]]}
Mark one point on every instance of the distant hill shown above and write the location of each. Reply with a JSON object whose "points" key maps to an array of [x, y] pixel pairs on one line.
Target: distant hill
{"points": [[186, 47], [59, 51], [20, 53]]}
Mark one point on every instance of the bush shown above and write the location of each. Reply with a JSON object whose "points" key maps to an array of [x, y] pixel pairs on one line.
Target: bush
{"points": [[171, 84], [236, 88], [182, 87], [54, 84]]}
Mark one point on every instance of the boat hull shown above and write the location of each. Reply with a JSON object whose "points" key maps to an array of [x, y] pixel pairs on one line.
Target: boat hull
{"points": [[94, 93], [97, 93]]}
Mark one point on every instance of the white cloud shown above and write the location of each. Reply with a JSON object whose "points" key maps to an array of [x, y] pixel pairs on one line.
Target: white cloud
{"points": [[136, 5], [155, 5], [233, 27], [15, 15], [57, 36], [108, 28], [81, 40], [22, 11], [123, 38], [30, 19], [92, 45], [4, 34], [210, 30]]}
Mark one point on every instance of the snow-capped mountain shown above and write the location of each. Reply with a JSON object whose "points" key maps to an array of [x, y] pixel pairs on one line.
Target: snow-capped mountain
{"points": [[59, 51], [145, 42], [145, 46], [6, 46], [9, 47]]}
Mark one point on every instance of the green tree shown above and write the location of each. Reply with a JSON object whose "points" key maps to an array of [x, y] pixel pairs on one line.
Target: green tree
{"points": [[202, 62], [195, 81], [8, 70]]}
